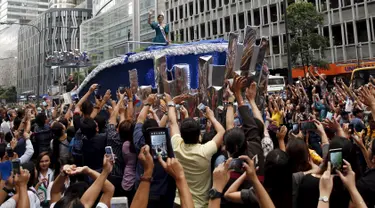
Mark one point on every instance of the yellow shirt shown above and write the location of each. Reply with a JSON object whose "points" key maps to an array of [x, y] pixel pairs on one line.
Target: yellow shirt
{"points": [[196, 161], [278, 118], [315, 157]]}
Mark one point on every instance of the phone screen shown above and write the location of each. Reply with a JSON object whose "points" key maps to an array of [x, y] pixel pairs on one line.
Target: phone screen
{"points": [[109, 152], [237, 122], [295, 128], [335, 156], [16, 166], [308, 125], [236, 165], [202, 107], [159, 144], [329, 115]]}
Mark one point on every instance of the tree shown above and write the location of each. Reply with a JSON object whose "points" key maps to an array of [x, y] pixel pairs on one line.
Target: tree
{"points": [[303, 23]]}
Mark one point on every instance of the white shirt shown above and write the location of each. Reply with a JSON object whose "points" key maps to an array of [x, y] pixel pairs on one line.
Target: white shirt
{"points": [[6, 126], [100, 205], [34, 199], [28, 153]]}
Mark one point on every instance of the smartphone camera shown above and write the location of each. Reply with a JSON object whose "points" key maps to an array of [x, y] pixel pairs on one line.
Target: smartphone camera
{"points": [[308, 125], [202, 107]]}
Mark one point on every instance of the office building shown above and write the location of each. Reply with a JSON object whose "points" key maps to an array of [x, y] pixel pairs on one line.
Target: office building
{"points": [[14, 11], [348, 25], [21, 10], [114, 23], [60, 32]]}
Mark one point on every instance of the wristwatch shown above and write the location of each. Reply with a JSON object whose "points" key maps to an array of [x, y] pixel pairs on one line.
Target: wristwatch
{"points": [[324, 199], [171, 104], [146, 179], [214, 194]]}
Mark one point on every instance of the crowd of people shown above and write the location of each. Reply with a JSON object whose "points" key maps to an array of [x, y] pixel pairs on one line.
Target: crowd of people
{"points": [[312, 146]]}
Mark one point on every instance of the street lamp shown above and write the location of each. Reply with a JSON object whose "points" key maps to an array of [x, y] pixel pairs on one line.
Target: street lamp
{"points": [[39, 55]]}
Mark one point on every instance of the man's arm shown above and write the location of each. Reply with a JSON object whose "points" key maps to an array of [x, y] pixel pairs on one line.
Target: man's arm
{"points": [[114, 114], [218, 138], [29, 150], [232, 193], [146, 107], [164, 121], [173, 125], [85, 97], [251, 93], [101, 184], [100, 104], [140, 199]]}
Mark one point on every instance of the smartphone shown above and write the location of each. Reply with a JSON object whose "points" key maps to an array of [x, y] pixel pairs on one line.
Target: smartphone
{"points": [[308, 125], [159, 142], [109, 152], [237, 122], [236, 165], [202, 108], [9, 151], [121, 89], [16, 166], [335, 157], [96, 92], [295, 128], [202, 123], [44, 104], [255, 159], [329, 115]]}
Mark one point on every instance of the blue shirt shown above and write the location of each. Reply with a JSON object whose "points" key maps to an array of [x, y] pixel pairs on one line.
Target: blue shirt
{"points": [[160, 178]]}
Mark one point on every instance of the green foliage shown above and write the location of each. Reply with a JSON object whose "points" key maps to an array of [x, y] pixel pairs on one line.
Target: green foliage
{"points": [[78, 77], [9, 94], [303, 22], [91, 68]]}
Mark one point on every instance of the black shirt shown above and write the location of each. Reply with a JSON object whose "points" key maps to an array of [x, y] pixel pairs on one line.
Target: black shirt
{"points": [[308, 193], [93, 151], [366, 187]]}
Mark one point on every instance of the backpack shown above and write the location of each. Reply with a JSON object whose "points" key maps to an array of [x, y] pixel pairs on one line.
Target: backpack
{"points": [[75, 146]]}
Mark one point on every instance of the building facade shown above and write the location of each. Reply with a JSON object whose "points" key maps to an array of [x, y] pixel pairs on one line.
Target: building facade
{"points": [[115, 22], [24, 10], [59, 32], [348, 25]]}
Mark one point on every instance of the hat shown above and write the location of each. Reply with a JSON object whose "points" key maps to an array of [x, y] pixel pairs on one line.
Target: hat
{"points": [[161, 14]]}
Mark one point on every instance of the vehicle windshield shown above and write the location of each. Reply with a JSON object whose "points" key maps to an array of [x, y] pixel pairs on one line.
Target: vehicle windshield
{"points": [[277, 81], [362, 77]]}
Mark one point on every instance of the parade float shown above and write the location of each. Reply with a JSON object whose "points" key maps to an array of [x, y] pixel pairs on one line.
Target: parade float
{"points": [[199, 69]]}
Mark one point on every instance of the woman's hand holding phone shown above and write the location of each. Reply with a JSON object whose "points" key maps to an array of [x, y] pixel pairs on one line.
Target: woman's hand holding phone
{"points": [[348, 175]]}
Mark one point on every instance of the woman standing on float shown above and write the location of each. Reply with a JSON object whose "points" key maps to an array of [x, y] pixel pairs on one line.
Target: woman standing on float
{"points": [[160, 28]]}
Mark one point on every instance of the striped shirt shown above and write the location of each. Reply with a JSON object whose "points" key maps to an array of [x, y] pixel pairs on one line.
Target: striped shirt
{"points": [[113, 140]]}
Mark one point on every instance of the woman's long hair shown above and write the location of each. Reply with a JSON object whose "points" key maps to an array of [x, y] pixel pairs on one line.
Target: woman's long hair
{"points": [[299, 155], [125, 130]]}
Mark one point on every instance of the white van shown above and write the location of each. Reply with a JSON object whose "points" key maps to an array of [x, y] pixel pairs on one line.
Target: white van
{"points": [[275, 84]]}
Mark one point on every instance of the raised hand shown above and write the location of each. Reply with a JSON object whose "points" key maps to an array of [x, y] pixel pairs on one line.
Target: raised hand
{"points": [[366, 97], [108, 163], [282, 133], [349, 178], [251, 92], [326, 182], [180, 98], [249, 167], [151, 99], [146, 160], [129, 93], [220, 176], [173, 168], [93, 88]]}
